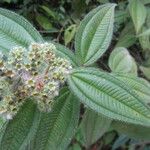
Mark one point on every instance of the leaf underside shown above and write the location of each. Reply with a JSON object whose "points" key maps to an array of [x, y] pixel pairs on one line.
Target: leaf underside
{"points": [[94, 34]]}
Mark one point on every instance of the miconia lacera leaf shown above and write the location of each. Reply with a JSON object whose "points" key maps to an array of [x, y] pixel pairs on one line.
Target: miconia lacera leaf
{"points": [[106, 94], [16, 31], [57, 128], [94, 34]]}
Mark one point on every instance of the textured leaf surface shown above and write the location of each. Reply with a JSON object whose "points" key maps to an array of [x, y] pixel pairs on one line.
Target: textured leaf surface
{"points": [[109, 96], [57, 128], [93, 126], [64, 52], [94, 34], [134, 131], [120, 60], [20, 130], [138, 13], [15, 31], [139, 85]]}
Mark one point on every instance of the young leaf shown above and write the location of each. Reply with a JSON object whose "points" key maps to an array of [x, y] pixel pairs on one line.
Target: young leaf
{"points": [[120, 60], [56, 128], [109, 96], [44, 22], [69, 33], [16, 31], [20, 130], [134, 131], [94, 34], [93, 126], [138, 13]]}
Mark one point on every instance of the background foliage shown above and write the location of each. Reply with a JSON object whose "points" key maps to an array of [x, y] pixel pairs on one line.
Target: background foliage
{"points": [[58, 20]]}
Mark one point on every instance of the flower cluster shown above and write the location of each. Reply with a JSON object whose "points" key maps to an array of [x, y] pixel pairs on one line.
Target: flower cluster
{"points": [[35, 72]]}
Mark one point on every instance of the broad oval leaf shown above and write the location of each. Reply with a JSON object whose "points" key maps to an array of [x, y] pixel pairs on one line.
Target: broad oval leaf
{"points": [[138, 13], [109, 96], [16, 31], [139, 85], [134, 131], [120, 60], [19, 131], [94, 34], [93, 127], [57, 128]]}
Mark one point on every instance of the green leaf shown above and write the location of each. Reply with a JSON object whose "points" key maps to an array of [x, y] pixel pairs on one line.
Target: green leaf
{"points": [[69, 33], [93, 127], [127, 37], [138, 13], [20, 130], [94, 34], [16, 31], [109, 96], [120, 60], [44, 22], [140, 86], [57, 128], [49, 12], [134, 131], [64, 52]]}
